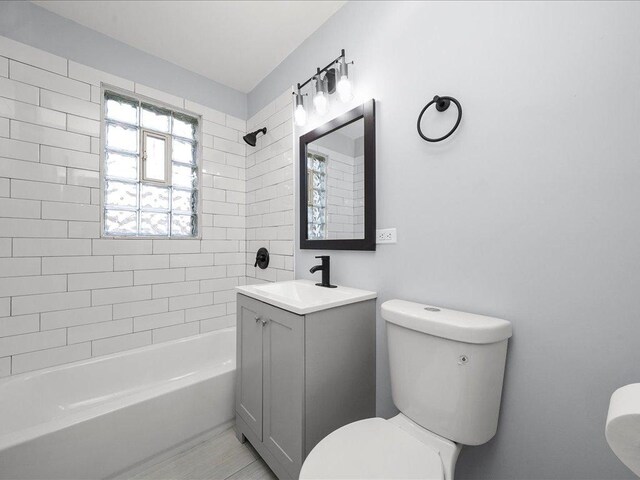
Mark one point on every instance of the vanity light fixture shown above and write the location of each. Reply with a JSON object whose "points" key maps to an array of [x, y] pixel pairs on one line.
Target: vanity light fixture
{"points": [[321, 94], [334, 77], [300, 114]]}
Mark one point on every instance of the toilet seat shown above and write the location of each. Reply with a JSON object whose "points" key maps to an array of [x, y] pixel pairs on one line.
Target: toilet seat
{"points": [[370, 449]]}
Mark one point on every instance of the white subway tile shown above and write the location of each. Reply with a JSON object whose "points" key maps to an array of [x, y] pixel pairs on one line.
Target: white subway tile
{"points": [[5, 367], [95, 145], [225, 296], [49, 191], [69, 158], [32, 171], [5, 307], [229, 221], [67, 104], [4, 67], [41, 247], [120, 343], [83, 125], [18, 91], [236, 124], [74, 317], [93, 331], [70, 211], [34, 56], [134, 246], [136, 309], [175, 289], [96, 95], [208, 113], [10, 207], [49, 302], [5, 247], [32, 114], [190, 301], [84, 229], [161, 96], [200, 273], [19, 150], [95, 77], [140, 262], [211, 324], [205, 313], [27, 362], [149, 322], [19, 325], [189, 259], [84, 178], [176, 246], [229, 258], [218, 284], [220, 246], [20, 227], [5, 187], [221, 131], [76, 264], [31, 285], [30, 342], [89, 281], [50, 81], [4, 127], [49, 136], [120, 295], [17, 267], [176, 331], [225, 145], [146, 277]]}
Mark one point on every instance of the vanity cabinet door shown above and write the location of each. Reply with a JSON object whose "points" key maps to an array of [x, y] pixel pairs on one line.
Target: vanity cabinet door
{"points": [[249, 363], [284, 387]]}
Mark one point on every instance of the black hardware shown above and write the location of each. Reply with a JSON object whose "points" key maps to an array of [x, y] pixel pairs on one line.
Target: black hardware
{"points": [[322, 70], [441, 103], [262, 258], [366, 111], [251, 138], [326, 271]]}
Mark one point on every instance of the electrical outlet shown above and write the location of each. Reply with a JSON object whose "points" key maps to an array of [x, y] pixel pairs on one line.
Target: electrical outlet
{"points": [[386, 235]]}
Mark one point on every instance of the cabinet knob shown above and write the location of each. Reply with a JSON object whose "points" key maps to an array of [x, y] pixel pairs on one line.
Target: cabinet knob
{"points": [[264, 322], [257, 318]]}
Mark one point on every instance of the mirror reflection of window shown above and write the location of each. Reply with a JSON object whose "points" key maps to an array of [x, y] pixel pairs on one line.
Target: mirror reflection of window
{"points": [[317, 195], [335, 170]]}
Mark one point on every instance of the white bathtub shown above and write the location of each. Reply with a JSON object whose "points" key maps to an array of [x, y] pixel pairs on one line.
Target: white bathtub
{"points": [[95, 418]]}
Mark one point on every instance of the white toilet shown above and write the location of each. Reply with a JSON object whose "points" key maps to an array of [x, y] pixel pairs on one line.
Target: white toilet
{"points": [[446, 378]]}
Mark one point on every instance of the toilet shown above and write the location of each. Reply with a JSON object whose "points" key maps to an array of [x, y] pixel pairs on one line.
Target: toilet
{"points": [[446, 371]]}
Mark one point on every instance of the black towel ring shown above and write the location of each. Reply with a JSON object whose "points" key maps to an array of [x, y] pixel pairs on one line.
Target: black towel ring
{"points": [[442, 103]]}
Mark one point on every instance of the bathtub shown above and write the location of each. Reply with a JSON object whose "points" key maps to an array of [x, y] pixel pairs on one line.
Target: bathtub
{"points": [[96, 418]]}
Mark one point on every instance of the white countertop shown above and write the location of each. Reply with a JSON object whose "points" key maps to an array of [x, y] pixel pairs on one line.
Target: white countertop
{"points": [[304, 296]]}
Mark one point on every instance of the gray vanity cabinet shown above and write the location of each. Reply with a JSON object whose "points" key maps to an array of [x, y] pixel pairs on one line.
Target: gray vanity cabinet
{"points": [[299, 377]]}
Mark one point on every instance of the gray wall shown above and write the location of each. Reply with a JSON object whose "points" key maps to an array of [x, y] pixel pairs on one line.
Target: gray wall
{"points": [[531, 211], [31, 24]]}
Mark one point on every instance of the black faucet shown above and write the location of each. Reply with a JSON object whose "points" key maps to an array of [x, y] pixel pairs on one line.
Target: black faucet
{"points": [[326, 271]]}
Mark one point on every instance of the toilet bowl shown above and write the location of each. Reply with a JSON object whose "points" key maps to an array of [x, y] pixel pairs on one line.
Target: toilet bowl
{"points": [[446, 370]]}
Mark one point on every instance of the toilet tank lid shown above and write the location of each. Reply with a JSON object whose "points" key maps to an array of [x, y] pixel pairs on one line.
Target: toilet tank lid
{"points": [[450, 324]]}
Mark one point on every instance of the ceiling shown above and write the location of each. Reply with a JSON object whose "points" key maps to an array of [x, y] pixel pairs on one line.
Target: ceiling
{"points": [[236, 43]]}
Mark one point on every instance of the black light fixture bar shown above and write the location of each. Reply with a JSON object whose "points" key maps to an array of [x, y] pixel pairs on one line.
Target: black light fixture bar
{"points": [[320, 71]]}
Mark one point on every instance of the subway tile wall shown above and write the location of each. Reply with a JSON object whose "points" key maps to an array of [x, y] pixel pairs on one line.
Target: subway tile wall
{"points": [[270, 191], [65, 293]]}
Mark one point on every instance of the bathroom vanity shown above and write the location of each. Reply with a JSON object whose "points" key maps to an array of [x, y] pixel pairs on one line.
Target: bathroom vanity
{"points": [[305, 367]]}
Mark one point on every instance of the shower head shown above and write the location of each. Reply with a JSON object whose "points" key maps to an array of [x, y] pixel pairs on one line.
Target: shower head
{"points": [[251, 138]]}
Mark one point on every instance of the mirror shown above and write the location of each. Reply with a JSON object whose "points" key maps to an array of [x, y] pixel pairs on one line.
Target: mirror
{"points": [[337, 183]]}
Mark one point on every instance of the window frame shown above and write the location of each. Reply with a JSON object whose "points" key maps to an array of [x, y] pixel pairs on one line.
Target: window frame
{"points": [[104, 87], [144, 133]]}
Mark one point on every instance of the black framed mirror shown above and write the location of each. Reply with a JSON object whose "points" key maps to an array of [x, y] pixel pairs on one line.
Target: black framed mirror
{"points": [[338, 182]]}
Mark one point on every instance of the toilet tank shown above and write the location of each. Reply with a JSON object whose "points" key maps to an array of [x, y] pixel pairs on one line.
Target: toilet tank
{"points": [[447, 368]]}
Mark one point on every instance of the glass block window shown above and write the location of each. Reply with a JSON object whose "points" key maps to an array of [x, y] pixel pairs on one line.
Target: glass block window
{"points": [[316, 195], [150, 170]]}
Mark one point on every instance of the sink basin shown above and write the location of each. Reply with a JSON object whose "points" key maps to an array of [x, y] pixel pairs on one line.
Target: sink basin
{"points": [[303, 296], [623, 426]]}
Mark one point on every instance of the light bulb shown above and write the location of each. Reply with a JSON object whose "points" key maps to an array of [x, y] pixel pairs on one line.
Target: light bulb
{"points": [[344, 89], [320, 102], [300, 115]]}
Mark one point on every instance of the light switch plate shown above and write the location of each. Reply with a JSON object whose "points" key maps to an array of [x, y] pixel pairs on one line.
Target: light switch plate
{"points": [[386, 235]]}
